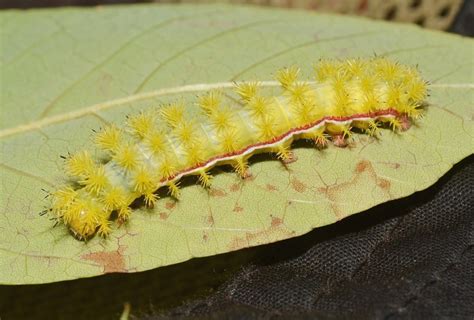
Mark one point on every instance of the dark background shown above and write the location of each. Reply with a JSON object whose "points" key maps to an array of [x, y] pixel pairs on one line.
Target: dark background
{"points": [[462, 24]]}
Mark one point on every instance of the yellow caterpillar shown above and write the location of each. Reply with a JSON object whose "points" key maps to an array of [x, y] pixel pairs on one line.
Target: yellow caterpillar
{"points": [[157, 148]]}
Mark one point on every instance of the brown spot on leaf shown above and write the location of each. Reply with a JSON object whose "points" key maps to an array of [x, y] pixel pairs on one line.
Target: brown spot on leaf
{"points": [[164, 215], [362, 166], [276, 222], [170, 205], [338, 193], [249, 176], [271, 187], [205, 236], [276, 231], [214, 192], [393, 165], [210, 220], [384, 184], [111, 261], [298, 186], [238, 209], [234, 187]]}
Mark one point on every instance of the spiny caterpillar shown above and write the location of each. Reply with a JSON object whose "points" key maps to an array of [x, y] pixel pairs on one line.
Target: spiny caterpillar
{"points": [[157, 148]]}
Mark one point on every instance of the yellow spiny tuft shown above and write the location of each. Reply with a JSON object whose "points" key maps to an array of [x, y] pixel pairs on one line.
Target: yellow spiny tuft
{"points": [[95, 181], [228, 140], [387, 69], [80, 164], [265, 128], [306, 112], [195, 154], [172, 114], [124, 213], [141, 124], [347, 133], [373, 129], [258, 106], [339, 84], [150, 199], [109, 138], [221, 119], [320, 139], [104, 227], [143, 181], [283, 152], [84, 217], [184, 131], [210, 102], [394, 96], [355, 67], [416, 90], [299, 92], [247, 90], [369, 102], [62, 198], [288, 76], [412, 109], [114, 198], [167, 169], [241, 166], [156, 141], [325, 70], [205, 178], [367, 84], [126, 156], [395, 124], [174, 189], [341, 101]]}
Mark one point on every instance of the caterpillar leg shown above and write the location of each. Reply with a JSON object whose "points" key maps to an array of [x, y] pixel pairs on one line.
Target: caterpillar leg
{"points": [[150, 199], [241, 166], [405, 122], [285, 154], [321, 140], [339, 140], [290, 159], [205, 178], [174, 189], [339, 133]]}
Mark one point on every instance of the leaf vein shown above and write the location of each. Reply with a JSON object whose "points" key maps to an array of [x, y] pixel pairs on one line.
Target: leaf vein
{"points": [[198, 44], [134, 38]]}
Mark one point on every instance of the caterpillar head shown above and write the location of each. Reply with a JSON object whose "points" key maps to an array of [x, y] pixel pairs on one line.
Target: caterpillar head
{"points": [[80, 212]]}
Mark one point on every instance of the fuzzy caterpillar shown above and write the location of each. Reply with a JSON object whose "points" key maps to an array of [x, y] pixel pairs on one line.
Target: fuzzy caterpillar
{"points": [[157, 148]]}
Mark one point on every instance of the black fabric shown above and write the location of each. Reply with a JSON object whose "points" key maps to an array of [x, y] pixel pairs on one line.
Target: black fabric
{"points": [[407, 259], [464, 22]]}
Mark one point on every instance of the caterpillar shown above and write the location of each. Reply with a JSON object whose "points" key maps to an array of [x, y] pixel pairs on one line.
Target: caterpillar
{"points": [[157, 147]]}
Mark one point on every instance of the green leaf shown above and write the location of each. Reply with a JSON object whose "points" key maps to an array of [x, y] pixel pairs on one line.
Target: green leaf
{"points": [[66, 72]]}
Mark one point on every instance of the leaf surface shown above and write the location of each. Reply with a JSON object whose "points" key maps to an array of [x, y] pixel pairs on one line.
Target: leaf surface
{"points": [[66, 72]]}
